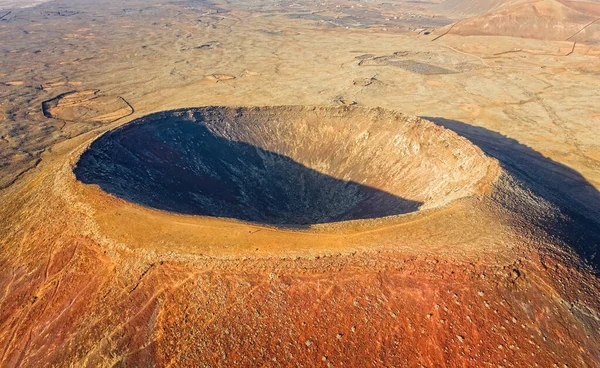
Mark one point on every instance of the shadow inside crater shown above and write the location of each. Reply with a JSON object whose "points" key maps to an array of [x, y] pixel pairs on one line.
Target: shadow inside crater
{"points": [[181, 166], [572, 193]]}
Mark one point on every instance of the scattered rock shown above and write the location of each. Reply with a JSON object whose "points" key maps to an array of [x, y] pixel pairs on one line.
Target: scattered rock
{"points": [[364, 56], [216, 78], [344, 101], [365, 82], [209, 45]]}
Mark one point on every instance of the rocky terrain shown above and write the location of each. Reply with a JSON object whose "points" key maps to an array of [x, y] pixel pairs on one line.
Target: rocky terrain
{"points": [[299, 184]]}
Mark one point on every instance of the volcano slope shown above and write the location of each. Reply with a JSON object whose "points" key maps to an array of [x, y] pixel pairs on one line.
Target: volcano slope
{"points": [[287, 236], [558, 20]]}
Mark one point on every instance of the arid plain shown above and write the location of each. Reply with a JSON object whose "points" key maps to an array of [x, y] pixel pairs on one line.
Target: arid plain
{"points": [[485, 256]]}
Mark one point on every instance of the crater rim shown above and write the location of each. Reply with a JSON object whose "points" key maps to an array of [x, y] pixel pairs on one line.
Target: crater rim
{"points": [[476, 187]]}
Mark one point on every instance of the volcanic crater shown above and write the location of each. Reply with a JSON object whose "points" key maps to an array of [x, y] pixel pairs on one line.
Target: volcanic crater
{"points": [[290, 166]]}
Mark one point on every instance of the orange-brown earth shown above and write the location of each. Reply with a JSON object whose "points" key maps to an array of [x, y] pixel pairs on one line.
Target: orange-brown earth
{"points": [[497, 267], [486, 279]]}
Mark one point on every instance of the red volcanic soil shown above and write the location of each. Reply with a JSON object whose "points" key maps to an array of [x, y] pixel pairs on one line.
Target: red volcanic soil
{"points": [[92, 279]]}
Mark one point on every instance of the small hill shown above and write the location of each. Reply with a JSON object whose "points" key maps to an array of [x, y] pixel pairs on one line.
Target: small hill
{"points": [[556, 20]]}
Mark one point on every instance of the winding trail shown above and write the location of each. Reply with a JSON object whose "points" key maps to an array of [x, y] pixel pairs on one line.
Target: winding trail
{"points": [[445, 33], [582, 29]]}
